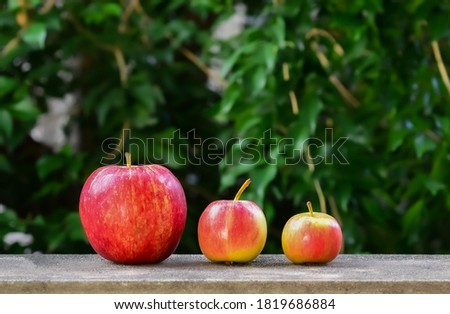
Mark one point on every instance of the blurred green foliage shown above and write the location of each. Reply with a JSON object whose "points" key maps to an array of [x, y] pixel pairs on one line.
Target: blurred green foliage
{"points": [[367, 70]]}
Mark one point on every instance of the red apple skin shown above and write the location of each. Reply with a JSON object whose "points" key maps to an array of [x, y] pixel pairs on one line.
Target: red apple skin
{"points": [[232, 231], [133, 215], [311, 239]]}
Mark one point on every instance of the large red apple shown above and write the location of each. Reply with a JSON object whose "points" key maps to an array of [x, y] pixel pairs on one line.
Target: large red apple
{"points": [[311, 238], [232, 230], [133, 214]]}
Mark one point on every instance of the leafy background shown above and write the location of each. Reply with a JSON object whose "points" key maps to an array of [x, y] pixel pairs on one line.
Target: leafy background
{"points": [[370, 71]]}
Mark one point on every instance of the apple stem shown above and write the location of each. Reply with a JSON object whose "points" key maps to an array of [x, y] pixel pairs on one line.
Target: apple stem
{"points": [[310, 208], [241, 190], [128, 159]]}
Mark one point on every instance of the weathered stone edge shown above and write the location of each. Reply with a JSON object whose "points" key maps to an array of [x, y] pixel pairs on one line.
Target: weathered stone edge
{"points": [[260, 287]]}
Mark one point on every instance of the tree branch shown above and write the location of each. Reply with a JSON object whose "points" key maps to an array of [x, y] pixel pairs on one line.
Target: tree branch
{"points": [[317, 32], [10, 45], [294, 103], [129, 9], [440, 64], [349, 98], [317, 186], [286, 76], [118, 54], [120, 60], [325, 63], [48, 5], [203, 67]]}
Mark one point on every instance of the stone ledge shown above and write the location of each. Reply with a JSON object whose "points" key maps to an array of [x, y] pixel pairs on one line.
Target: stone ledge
{"points": [[195, 274]]}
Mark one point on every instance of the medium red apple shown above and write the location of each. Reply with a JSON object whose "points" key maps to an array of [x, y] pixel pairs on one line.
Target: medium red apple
{"points": [[133, 214], [232, 230], [311, 238]]}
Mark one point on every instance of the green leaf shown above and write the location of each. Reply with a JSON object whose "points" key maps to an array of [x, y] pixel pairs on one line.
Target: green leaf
{"points": [[25, 110], [434, 186], [113, 98], [423, 144], [396, 138], [372, 208], [5, 165], [228, 64], [230, 97], [74, 227], [6, 123], [48, 164], [8, 217], [258, 80], [438, 26], [13, 5], [270, 212], [53, 22], [412, 217], [35, 35], [56, 239], [142, 117], [268, 53], [413, 5], [96, 13], [174, 156], [174, 4], [261, 178], [6, 85], [305, 126], [232, 170], [16, 4], [146, 94], [156, 29], [279, 29], [181, 31], [444, 124], [246, 125], [112, 9], [343, 197], [50, 188]]}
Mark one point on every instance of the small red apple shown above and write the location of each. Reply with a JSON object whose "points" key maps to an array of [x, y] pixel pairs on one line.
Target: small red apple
{"points": [[232, 230], [311, 238], [133, 214]]}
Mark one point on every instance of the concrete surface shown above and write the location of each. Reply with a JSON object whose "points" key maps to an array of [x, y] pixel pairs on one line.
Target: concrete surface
{"points": [[195, 274]]}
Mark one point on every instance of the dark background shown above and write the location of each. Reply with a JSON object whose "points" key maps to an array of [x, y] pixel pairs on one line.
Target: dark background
{"points": [[77, 74]]}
